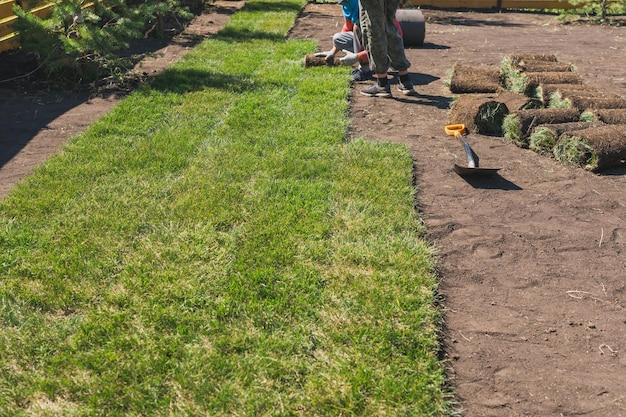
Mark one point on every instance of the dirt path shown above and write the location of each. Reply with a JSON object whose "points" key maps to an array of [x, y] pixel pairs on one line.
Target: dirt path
{"points": [[532, 264]]}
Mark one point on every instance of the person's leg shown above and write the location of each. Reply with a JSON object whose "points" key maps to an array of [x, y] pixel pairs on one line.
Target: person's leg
{"points": [[405, 85], [395, 48], [395, 44], [379, 89], [374, 34], [375, 39], [344, 41], [364, 67], [357, 35], [362, 71]]}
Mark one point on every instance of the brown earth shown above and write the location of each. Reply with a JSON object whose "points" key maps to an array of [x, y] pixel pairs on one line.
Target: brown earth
{"points": [[532, 262], [533, 273]]}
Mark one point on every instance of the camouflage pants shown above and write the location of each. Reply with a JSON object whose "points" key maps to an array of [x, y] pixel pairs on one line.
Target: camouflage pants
{"points": [[382, 41]]}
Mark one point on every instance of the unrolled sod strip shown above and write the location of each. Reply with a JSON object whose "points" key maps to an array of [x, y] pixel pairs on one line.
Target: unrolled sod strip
{"points": [[310, 60], [543, 138], [594, 149], [516, 127]]}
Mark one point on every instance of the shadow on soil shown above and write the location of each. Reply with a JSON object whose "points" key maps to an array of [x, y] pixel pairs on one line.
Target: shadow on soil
{"points": [[24, 115], [491, 182]]}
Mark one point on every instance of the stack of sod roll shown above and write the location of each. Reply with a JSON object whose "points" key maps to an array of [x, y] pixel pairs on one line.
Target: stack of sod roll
{"points": [[538, 103]]}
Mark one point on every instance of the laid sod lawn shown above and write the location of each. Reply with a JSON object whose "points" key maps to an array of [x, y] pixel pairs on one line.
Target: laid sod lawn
{"points": [[215, 247]]}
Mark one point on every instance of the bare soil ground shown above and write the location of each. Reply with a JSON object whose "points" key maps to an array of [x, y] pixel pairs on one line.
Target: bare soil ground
{"points": [[532, 262]]}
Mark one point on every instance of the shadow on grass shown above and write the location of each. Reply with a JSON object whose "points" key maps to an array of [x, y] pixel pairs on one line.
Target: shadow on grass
{"points": [[183, 81], [278, 6], [241, 34]]}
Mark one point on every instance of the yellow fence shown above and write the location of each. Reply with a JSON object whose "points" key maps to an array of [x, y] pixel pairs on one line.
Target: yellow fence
{"points": [[494, 4], [9, 40]]}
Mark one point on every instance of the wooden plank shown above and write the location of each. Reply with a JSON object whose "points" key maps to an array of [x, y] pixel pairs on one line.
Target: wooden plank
{"points": [[28, 5], [6, 25], [10, 42], [494, 4], [456, 4], [44, 11], [536, 4], [6, 8]]}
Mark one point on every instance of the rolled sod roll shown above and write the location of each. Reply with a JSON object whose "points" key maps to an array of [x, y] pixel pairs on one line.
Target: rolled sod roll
{"points": [[479, 113], [516, 127], [543, 138], [583, 100], [583, 103], [515, 101], [474, 79], [310, 60], [535, 79], [595, 149], [546, 91], [517, 58], [611, 116], [544, 66]]}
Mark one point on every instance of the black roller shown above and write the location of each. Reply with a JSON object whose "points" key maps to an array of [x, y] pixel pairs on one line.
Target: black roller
{"points": [[413, 26]]}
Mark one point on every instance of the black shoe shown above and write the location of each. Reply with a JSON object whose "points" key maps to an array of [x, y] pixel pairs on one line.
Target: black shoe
{"points": [[360, 75], [376, 90], [406, 88]]}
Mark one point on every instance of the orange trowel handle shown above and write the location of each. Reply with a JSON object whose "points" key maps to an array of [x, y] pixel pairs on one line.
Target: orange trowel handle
{"points": [[455, 130]]}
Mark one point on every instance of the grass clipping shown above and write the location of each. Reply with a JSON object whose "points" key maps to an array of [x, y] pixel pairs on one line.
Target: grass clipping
{"points": [[594, 149], [479, 113], [516, 127]]}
